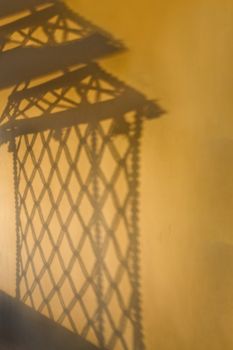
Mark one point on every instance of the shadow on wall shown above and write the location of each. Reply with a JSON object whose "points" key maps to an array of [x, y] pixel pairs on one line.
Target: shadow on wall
{"points": [[75, 141]]}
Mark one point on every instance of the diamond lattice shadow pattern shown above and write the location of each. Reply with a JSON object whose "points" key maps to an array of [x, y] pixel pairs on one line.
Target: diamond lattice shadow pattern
{"points": [[77, 207], [76, 145]]}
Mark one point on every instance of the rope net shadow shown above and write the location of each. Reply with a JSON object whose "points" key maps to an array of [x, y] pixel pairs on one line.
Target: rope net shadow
{"points": [[76, 149], [76, 190]]}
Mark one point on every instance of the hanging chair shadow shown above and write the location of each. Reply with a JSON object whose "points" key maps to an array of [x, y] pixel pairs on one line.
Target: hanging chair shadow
{"points": [[76, 144], [75, 141]]}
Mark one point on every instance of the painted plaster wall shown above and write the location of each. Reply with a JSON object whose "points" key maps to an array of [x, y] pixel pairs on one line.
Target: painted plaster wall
{"points": [[179, 53]]}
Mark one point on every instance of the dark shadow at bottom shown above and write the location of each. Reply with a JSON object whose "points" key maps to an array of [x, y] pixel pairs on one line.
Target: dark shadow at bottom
{"points": [[23, 328]]}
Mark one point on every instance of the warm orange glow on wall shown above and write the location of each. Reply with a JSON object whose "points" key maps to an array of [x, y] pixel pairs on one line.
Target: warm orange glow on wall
{"points": [[181, 54]]}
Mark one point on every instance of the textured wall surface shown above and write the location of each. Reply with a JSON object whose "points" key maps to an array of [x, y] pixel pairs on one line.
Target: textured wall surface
{"points": [[179, 53]]}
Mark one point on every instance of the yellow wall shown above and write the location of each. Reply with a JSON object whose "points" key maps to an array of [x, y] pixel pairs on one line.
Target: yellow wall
{"points": [[180, 53]]}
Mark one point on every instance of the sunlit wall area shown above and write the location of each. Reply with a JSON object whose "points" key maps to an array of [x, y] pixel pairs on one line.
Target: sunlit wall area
{"points": [[179, 54]]}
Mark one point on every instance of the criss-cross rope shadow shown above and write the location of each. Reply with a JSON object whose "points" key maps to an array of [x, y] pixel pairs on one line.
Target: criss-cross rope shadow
{"points": [[75, 142]]}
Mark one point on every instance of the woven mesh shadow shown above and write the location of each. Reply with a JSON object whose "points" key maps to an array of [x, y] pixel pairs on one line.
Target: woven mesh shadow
{"points": [[75, 142]]}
